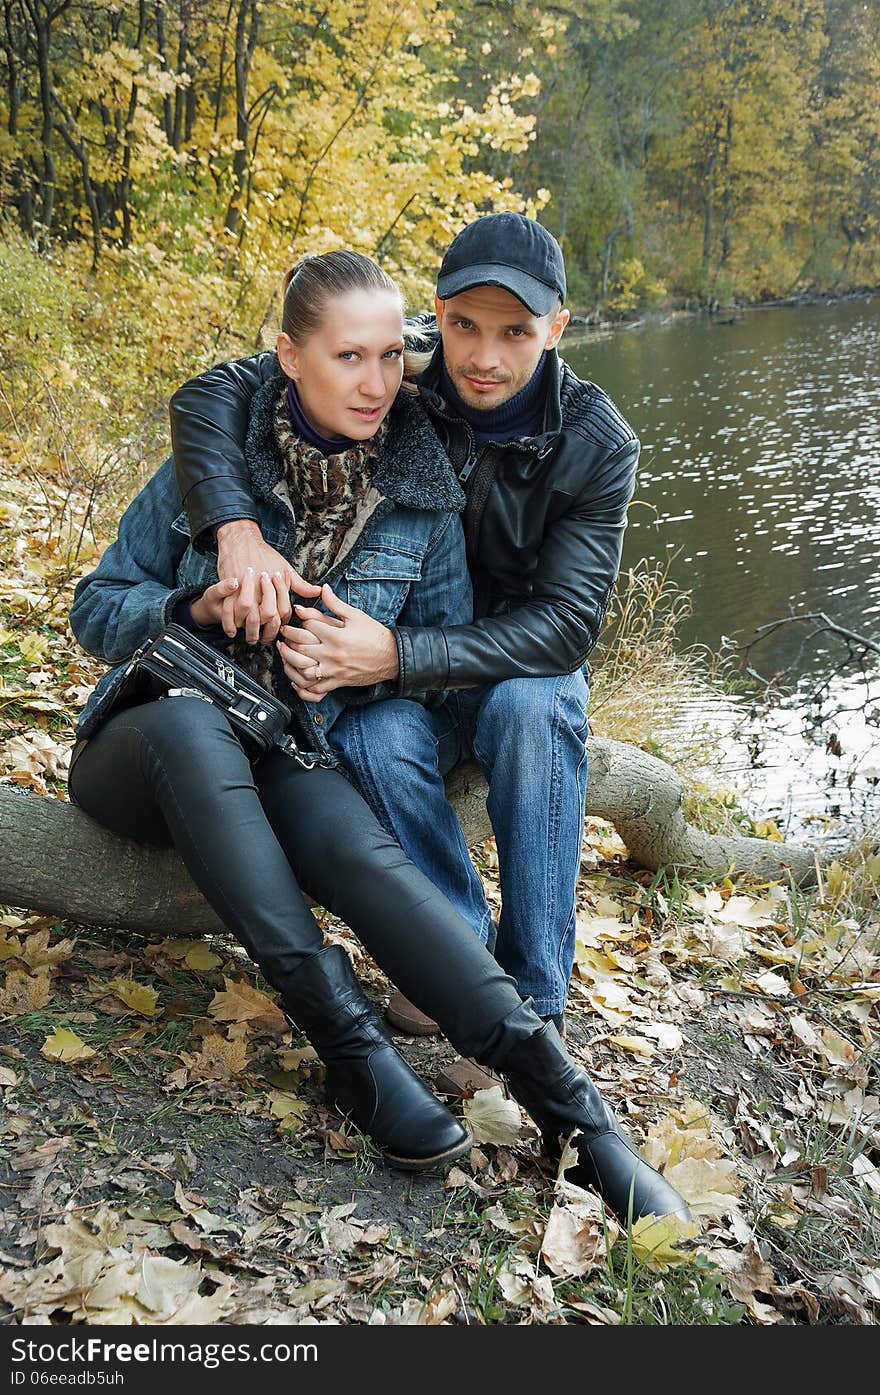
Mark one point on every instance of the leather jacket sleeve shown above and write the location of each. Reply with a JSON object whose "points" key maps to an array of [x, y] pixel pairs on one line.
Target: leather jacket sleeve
{"points": [[554, 629], [209, 424]]}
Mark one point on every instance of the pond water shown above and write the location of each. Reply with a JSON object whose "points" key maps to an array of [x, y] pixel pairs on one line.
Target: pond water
{"points": [[759, 481]]}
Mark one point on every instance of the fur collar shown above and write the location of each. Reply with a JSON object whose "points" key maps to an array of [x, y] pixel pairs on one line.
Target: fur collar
{"points": [[413, 469]]}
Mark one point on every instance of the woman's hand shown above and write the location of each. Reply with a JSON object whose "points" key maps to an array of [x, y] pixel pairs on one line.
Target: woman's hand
{"points": [[220, 604], [346, 649], [207, 609], [260, 602]]}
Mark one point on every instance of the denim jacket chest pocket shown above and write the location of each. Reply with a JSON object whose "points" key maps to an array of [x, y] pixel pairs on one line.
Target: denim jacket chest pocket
{"points": [[378, 578]]}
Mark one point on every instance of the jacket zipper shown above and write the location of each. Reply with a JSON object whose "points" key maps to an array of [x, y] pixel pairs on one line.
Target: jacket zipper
{"points": [[483, 472]]}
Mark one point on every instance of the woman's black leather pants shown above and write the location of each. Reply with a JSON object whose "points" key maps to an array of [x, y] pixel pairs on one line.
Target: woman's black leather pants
{"points": [[255, 838]]}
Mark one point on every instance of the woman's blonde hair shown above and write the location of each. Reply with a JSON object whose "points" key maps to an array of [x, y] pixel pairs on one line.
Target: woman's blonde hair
{"points": [[316, 280]]}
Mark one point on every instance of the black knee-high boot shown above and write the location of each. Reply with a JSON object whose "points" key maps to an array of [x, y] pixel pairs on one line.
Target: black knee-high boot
{"points": [[366, 1077], [562, 1100]]}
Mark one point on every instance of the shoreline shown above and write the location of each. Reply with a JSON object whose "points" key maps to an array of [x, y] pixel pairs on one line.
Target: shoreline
{"points": [[585, 323]]}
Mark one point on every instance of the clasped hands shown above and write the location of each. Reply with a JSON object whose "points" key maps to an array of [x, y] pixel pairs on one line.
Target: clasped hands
{"points": [[345, 648]]}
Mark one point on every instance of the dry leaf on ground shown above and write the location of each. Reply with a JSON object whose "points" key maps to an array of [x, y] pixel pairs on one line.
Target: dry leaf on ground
{"points": [[64, 1045], [493, 1119], [240, 1002]]}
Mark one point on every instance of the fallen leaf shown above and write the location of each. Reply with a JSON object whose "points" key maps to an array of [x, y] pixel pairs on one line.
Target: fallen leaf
{"points": [[240, 1002], [32, 1159], [493, 1119], [836, 1048], [64, 1045], [656, 1241], [194, 953], [22, 993], [218, 1059], [867, 1172], [666, 1033], [724, 943], [574, 1240], [287, 1107], [774, 985], [746, 1273], [456, 1178], [709, 1187], [805, 1032], [440, 1308], [743, 910], [201, 959], [137, 996], [298, 1056], [521, 1286], [638, 1045], [36, 753]]}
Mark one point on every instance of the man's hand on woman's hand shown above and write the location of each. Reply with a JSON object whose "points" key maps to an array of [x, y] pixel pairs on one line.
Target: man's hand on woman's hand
{"points": [[263, 596], [346, 649], [259, 602]]}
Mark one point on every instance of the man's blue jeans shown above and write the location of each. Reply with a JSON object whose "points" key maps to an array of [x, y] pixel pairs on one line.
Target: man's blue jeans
{"points": [[528, 736]]}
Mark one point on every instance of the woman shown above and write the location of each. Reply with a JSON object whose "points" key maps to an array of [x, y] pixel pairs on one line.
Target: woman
{"points": [[353, 488]]}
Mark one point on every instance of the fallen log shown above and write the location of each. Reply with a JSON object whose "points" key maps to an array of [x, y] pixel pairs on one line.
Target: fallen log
{"points": [[55, 860]]}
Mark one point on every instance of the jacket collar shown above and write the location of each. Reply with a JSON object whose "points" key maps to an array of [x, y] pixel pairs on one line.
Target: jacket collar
{"points": [[429, 383], [413, 470]]}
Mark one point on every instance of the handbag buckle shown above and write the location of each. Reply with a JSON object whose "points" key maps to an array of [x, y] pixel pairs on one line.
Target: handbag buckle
{"points": [[187, 692], [307, 760]]}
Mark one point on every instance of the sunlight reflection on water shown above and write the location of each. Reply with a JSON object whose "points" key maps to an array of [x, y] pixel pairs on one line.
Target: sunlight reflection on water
{"points": [[760, 478]]}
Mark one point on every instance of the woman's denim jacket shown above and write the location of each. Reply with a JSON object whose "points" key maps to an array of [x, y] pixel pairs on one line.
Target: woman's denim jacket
{"points": [[407, 565]]}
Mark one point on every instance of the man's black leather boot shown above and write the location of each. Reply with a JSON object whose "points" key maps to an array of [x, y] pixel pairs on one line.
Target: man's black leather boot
{"points": [[366, 1077], [562, 1100]]}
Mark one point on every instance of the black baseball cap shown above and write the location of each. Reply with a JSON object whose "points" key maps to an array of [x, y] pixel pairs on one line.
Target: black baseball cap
{"points": [[507, 250]]}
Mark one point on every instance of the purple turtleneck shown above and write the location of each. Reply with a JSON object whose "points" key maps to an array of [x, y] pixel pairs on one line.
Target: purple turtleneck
{"points": [[327, 445]]}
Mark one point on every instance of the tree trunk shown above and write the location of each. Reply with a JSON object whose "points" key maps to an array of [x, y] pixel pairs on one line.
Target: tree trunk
{"points": [[708, 192], [246, 27], [124, 186], [162, 50], [42, 27], [79, 149], [727, 200], [56, 860], [17, 75]]}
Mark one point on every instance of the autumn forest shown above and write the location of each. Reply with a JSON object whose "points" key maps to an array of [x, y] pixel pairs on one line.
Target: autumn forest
{"points": [[692, 149]]}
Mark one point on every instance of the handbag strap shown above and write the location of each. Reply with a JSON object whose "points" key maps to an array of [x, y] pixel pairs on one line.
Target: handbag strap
{"points": [[308, 760]]}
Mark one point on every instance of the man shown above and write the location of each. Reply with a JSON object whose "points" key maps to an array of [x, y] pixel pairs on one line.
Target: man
{"points": [[548, 468]]}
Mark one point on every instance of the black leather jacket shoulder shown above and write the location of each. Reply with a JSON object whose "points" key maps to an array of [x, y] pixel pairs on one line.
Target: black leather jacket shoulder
{"points": [[210, 416]]}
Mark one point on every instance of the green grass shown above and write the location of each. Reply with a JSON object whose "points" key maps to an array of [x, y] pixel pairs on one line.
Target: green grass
{"points": [[485, 1296], [689, 1295]]}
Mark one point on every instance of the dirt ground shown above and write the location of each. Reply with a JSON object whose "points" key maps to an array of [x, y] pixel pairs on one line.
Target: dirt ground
{"points": [[168, 1156]]}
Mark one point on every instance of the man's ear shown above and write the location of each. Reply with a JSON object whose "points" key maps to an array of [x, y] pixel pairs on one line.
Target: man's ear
{"points": [[557, 325], [288, 356], [439, 306]]}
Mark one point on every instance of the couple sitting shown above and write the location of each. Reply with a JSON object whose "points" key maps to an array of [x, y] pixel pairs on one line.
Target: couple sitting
{"points": [[333, 487]]}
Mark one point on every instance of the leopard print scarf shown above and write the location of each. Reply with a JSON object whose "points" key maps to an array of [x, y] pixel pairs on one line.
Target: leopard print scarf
{"points": [[326, 494]]}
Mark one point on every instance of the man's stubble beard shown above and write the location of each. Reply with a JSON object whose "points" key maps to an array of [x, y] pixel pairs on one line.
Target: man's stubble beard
{"points": [[476, 399]]}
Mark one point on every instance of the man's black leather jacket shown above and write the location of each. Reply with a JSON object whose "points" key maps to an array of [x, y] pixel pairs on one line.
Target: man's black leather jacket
{"points": [[544, 518]]}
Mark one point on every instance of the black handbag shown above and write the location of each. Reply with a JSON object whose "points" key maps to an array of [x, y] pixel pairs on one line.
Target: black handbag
{"points": [[179, 664]]}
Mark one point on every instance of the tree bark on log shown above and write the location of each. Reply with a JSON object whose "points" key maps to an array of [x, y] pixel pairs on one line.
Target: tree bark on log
{"points": [[55, 860]]}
